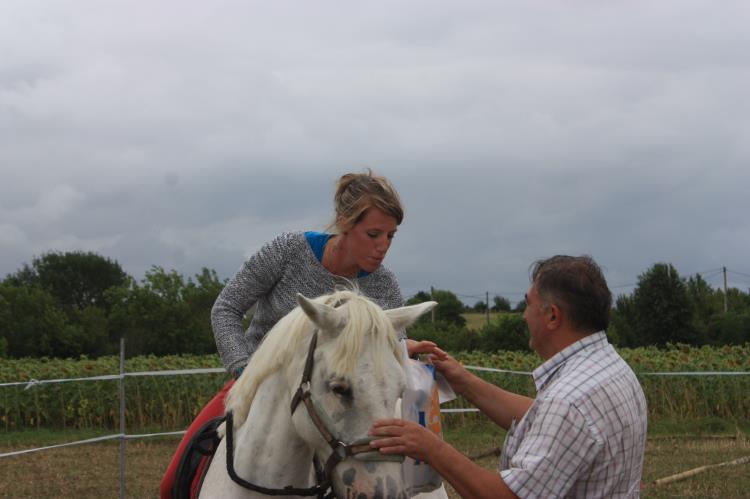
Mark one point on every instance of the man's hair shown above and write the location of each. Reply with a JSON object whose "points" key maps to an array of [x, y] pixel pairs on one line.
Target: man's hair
{"points": [[576, 285]]}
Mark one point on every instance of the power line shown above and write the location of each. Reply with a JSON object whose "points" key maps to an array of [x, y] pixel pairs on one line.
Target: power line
{"points": [[720, 269], [711, 276], [624, 285]]}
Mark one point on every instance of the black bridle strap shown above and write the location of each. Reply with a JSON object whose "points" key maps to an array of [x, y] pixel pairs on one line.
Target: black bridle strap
{"points": [[307, 372], [318, 421], [317, 490]]}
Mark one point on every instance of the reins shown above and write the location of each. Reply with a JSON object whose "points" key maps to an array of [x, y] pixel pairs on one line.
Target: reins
{"points": [[317, 490]]}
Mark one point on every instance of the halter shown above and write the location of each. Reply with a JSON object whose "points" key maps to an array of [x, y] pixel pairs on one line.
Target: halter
{"points": [[340, 449]]}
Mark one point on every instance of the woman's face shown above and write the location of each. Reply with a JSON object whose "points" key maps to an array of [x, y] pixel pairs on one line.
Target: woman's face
{"points": [[368, 241]]}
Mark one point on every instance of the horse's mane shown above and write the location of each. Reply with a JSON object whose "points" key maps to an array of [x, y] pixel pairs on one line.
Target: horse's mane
{"points": [[366, 325]]}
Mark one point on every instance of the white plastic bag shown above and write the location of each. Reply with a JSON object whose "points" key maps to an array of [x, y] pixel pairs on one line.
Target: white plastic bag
{"points": [[421, 403]]}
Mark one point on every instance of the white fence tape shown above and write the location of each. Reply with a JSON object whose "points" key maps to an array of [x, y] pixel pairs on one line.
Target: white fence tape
{"points": [[669, 373], [215, 370], [174, 372], [92, 441], [493, 370], [69, 444]]}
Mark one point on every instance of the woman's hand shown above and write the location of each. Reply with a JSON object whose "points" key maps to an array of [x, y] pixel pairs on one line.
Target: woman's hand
{"points": [[425, 347], [398, 436]]}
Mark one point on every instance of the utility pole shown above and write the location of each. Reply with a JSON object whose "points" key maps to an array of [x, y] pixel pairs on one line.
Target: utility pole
{"points": [[487, 300], [725, 290], [432, 297]]}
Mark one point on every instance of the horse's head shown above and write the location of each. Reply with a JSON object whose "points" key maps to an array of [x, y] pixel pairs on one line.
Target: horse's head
{"points": [[353, 375]]}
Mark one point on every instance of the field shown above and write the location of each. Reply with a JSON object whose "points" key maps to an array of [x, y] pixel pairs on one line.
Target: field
{"points": [[476, 320], [92, 472], [693, 421], [169, 402]]}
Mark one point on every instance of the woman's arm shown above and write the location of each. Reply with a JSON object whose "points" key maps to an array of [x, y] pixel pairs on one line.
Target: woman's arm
{"points": [[256, 278]]}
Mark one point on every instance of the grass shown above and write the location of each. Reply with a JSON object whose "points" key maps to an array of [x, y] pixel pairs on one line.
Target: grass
{"points": [[92, 470], [477, 320], [673, 446]]}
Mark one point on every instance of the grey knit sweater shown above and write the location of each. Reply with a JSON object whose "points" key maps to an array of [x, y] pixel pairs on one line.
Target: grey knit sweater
{"points": [[270, 279]]}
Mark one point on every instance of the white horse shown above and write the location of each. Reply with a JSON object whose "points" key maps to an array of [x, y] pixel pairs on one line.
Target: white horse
{"points": [[320, 378]]}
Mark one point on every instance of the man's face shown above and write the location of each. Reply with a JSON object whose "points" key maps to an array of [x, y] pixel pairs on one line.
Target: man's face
{"points": [[535, 316]]}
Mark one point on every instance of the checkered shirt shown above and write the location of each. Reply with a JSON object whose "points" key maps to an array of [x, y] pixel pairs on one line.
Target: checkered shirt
{"points": [[585, 433]]}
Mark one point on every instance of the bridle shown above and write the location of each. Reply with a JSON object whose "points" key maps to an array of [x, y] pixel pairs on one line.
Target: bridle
{"points": [[340, 449]]}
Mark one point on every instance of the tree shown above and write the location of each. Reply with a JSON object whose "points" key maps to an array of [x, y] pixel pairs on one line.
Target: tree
{"points": [[500, 304], [737, 301], [33, 325], [166, 314], [731, 328], [506, 332], [621, 330], [662, 308], [77, 279], [520, 306], [5, 318], [448, 336], [448, 309], [705, 302], [480, 306]]}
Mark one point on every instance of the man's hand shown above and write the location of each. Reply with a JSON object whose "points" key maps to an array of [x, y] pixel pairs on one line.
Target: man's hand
{"points": [[396, 436], [404, 437], [453, 371], [426, 347]]}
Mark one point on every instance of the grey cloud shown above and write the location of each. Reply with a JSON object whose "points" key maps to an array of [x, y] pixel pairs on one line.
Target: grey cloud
{"points": [[513, 131]]}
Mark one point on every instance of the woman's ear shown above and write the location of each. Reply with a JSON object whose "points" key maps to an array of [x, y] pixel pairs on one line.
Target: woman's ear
{"points": [[340, 225]]}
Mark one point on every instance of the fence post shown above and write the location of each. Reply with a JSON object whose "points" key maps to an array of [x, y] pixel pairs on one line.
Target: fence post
{"points": [[122, 418]]}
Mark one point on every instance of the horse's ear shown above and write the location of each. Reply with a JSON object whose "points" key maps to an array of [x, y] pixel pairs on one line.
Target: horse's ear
{"points": [[327, 318], [405, 316]]}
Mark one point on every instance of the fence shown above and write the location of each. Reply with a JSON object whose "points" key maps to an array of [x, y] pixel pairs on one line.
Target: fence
{"points": [[122, 436]]}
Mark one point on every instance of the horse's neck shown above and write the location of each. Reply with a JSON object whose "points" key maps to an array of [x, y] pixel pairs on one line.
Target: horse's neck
{"points": [[268, 450]]}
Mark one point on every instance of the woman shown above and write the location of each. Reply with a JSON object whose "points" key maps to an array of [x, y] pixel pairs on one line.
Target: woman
{"points": [[368, 212]]}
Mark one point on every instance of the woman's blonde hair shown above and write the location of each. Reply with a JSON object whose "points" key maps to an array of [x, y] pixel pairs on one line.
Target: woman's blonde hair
{"points": [[358, 192]]}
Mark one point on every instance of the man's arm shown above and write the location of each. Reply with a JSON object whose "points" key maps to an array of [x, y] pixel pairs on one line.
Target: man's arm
{"points": [[499, 405]]}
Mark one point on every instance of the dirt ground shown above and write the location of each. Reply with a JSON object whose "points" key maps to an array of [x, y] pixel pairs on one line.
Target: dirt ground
{"points": [[91, 471]]}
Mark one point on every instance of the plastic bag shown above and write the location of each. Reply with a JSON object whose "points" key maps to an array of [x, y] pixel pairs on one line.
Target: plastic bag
{"points": [[421, 403]]}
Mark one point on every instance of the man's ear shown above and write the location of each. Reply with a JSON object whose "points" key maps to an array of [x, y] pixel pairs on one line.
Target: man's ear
{"points": [[554, 317]]}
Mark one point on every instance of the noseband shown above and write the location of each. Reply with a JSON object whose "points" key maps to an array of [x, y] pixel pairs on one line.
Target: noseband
{"points": [[340, 449]]}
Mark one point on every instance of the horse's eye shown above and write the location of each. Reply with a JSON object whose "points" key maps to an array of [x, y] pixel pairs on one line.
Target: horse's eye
{"points": [[341, 389]]}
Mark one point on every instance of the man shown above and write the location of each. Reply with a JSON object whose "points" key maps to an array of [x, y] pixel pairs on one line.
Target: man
{"points": [[582, 436]]}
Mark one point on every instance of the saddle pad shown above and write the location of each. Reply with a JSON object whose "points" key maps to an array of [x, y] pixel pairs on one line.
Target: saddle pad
{"points": [[195, 460]]}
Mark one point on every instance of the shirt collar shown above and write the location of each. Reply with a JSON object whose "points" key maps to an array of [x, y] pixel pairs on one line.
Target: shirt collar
{"points": [[544, 373]]}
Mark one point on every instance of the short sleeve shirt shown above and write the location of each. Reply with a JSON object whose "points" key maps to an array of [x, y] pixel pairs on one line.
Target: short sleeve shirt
{"points": [[585, 433]]}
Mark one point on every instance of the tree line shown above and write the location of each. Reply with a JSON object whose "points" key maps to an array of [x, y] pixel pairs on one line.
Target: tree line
{"points": [[81, 303], [663, 309]]}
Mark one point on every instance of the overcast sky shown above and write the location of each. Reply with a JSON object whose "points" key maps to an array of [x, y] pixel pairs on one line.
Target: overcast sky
{"points": [[186, 134]]}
